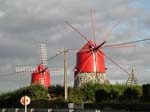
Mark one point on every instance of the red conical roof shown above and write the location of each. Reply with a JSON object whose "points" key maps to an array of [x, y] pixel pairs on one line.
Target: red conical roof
{"points": [[90, 59], [41, 75]]}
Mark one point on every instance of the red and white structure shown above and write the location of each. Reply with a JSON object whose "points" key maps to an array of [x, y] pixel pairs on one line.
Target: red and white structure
{"points": [[90, 59], [90, 65], [40, 73]]}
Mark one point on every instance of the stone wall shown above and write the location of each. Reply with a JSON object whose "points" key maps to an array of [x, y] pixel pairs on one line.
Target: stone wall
{"points": [[83, 78]]}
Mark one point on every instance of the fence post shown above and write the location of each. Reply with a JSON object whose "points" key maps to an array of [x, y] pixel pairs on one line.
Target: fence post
{"points": [[3, 110], [97, 110], [71, 107], [32, 110], [50, 110], [16, 110]]}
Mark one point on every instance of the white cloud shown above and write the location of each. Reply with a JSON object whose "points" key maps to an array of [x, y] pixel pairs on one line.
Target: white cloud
{"points": [[26, 23]]}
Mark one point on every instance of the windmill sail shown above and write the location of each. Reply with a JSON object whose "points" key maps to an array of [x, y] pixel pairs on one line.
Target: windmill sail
{"points": [[90, 64], [40, 74], [25, 69], [43, 54]]}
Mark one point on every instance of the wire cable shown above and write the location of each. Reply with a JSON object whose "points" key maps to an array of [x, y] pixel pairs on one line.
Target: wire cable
{"points": [[147, 39], [15, 73], [61, 52]]}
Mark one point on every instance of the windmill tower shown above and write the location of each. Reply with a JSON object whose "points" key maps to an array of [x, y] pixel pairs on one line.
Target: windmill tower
{"points": [[132, 80], [90, 59], [40, 73], [90, 65]]}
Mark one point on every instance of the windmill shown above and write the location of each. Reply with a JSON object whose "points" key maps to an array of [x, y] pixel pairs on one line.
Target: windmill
{"points": [[40, 73], [90, 59]]}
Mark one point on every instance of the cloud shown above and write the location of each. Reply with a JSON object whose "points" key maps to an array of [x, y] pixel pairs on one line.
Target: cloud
{"points": [[25, 23]]}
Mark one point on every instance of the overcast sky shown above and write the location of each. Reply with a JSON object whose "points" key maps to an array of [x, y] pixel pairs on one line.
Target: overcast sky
{"points": [[26, 23]]}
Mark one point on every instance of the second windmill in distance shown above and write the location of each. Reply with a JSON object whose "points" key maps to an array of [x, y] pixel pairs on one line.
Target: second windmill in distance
{"points": [[40, 73]]}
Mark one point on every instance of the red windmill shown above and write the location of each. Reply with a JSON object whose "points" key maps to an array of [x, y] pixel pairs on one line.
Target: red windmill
{"points": [[90, 60], [40, 74]]}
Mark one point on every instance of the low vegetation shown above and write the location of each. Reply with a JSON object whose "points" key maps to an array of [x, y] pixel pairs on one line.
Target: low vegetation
{"points": [[89, 93]]}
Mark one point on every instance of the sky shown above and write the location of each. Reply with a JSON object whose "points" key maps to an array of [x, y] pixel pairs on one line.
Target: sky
{"points": [[24, 24]]}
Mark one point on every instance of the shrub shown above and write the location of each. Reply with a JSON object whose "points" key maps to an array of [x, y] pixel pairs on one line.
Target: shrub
{"points": [[57, 89], [12, 99], [131, 94], [89, 90], [75, 95], [102, 95]]}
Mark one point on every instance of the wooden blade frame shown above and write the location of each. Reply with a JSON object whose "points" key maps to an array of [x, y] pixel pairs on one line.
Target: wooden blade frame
{"points": [[118, 65], [43, 54]]}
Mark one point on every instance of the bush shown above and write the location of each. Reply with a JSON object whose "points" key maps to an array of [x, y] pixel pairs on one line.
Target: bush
{"points": [[132, 94], [89, 90], [34, 91], [75, 95], [90, 93], [12, 99], [102, 95], [57, 89], [146, 92]]}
